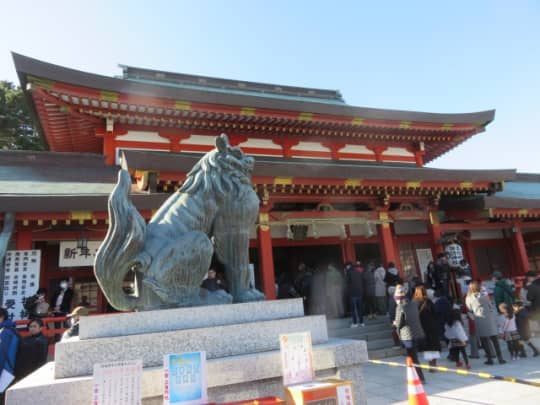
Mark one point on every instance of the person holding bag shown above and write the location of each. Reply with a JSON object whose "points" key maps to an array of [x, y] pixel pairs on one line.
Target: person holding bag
{"points": [[455, 333], [509, 330], [408, 326]]}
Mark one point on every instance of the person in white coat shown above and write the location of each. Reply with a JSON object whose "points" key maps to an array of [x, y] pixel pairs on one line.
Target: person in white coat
{"points": [[455, 333]]}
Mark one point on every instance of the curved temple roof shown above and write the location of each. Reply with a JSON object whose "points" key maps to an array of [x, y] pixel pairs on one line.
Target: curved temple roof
{"points": [[296, 107]]}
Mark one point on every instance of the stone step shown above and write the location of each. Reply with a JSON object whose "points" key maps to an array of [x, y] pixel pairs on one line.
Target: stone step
{"points": [[76, 357], [376, 332], [367, 328], [382, 333], [344, 323], [379, 344], [384, 353]]}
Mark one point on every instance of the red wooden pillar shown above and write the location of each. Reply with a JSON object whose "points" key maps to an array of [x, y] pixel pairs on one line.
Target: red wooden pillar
{"points": [[266, 259], [109, 135], [436, 234], [387, 240], [348, 252], [109, 149], [23, 239], [520, 252]]}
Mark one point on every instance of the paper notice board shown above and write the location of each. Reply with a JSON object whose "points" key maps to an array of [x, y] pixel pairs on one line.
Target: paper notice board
{"points": [[21, 280], [296, 358], [117, 383], [185, 379]]}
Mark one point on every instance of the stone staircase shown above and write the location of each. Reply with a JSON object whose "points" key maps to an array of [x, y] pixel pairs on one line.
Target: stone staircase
{"points": [[376, 333]]}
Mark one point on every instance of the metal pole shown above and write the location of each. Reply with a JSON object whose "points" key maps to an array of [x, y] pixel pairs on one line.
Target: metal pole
{"points": [[5, 236]]}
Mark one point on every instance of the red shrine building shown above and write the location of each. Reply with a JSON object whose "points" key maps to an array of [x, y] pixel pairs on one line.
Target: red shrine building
{"points": [[336, 182]]}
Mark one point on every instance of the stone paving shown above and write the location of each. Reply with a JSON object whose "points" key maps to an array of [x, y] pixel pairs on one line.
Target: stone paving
{"points": [[388, 385]]}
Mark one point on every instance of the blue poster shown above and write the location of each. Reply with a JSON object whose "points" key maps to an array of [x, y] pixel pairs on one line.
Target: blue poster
{"points": [[185, 378]]}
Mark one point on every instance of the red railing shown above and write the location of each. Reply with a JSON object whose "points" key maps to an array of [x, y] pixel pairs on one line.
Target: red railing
{"points": [[49, 329]]}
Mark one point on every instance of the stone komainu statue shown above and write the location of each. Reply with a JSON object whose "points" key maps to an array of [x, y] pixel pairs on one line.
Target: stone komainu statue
{"points": [[213, 211]]}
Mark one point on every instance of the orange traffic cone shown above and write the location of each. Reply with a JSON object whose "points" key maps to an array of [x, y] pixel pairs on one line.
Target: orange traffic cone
{"points": [[417, 396]]}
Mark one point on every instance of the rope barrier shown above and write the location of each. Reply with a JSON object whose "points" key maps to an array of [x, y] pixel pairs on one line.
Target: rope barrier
{"points": [[459, 372]]}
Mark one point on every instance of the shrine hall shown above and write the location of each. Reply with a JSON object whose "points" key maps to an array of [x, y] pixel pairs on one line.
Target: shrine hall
{"points": [[337, 183]]}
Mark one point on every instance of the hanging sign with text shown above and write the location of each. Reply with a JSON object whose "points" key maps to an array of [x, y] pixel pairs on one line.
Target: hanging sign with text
{"points": [[185, 379], [72, 255], [424, 256]]}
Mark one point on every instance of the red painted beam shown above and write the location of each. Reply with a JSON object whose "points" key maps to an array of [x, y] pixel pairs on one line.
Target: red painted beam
{"points": [[83, 92]]}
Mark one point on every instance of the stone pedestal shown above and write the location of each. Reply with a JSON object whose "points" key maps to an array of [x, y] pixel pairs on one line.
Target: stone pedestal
{"points": [[240, 340]]}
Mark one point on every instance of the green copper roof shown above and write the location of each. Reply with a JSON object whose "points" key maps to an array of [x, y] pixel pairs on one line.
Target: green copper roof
{"points": [[239, 92]]}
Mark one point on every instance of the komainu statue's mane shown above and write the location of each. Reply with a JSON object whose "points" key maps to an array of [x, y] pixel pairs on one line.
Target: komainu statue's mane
{"points": [[224, 173]]}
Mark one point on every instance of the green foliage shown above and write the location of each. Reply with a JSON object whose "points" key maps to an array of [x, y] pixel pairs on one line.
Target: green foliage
{"points": [[17, 130]]}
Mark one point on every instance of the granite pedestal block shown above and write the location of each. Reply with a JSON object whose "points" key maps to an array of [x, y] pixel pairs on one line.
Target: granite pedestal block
{"points": [[229, 378], [165, 320], [77, 358], [242, 346]]}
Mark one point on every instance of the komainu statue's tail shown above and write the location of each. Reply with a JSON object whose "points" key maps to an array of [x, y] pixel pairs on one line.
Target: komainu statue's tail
{"points": [[122, 248]]}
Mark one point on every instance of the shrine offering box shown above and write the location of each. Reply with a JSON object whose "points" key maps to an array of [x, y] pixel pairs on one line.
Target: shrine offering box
{"points": [[321, 392]]}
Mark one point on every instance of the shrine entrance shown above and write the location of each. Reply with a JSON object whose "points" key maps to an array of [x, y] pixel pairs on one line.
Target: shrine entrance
{"points": [[368, 252], [287, 259]]}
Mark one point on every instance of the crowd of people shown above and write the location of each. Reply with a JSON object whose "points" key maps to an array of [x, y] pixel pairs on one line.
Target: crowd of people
{"points": [[445, 308], [20, 356], [427, 317]]}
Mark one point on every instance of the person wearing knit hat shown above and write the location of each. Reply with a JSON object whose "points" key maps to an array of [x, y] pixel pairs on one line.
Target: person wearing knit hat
{"points": [[408, 326], [400, 293], [75, 317]]}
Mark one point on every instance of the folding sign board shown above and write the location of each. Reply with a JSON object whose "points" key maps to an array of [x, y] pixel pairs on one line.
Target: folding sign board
{"points": [[117, 383], [185, 379], [296, 358]]}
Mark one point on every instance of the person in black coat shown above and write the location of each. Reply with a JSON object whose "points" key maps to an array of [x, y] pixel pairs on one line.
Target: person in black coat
{"points": [[431, 346], [443, 307], [432, 280], [355, 281], [212, 282], [61, 302], [533, 294], [442, 273], [522, 322], [33, 350]]}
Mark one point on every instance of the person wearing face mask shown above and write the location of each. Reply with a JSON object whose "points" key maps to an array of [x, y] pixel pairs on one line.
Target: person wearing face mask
{"points": [[61, 302]]}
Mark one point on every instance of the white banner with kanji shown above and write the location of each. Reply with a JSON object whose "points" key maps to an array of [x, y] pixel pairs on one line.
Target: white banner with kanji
{"points": [[72, 255], [21, 279]]}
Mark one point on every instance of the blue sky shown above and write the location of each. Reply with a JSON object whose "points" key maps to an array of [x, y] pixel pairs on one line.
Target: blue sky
{"points": [[460, 56]]}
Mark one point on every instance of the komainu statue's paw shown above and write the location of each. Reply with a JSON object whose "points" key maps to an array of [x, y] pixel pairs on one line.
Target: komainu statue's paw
{"points": [[250, 295], [214, 297], [162, 293]]}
